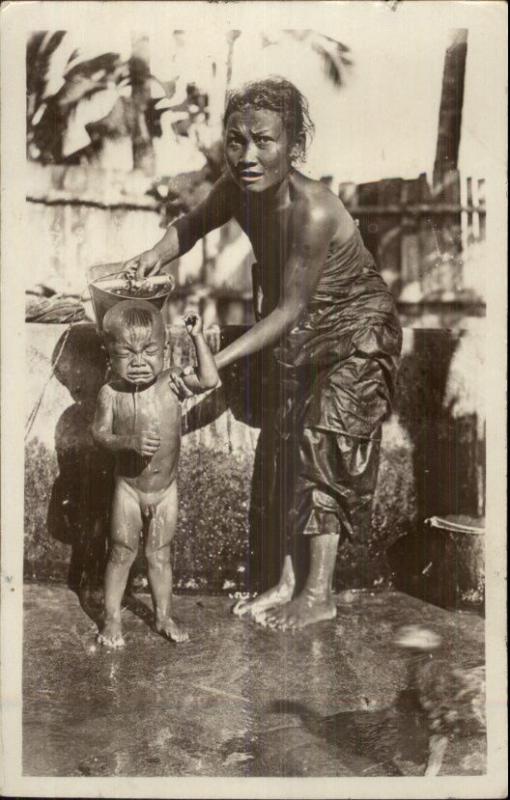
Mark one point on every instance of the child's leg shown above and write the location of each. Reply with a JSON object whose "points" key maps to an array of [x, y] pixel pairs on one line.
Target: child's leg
{"points": [[157, 551], [126, 525]]}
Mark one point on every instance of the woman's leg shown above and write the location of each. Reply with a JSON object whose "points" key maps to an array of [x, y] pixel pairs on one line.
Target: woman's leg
{"points": [[275, 520], [334, 504], [276, 478], [316, 601], [336, 482], [276, 596]]}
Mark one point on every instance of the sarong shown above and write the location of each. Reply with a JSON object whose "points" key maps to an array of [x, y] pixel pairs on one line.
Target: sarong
{"points": [[330, 387]]}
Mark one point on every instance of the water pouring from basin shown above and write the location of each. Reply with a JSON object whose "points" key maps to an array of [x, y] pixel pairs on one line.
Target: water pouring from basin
{"points": [[108, 285]]}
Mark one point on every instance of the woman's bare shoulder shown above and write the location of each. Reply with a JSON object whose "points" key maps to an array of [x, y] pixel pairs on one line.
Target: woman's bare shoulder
{"points": [[313, 200]]}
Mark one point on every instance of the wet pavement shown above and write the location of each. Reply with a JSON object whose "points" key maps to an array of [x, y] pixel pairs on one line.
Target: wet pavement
{"points": [[236, 700]]}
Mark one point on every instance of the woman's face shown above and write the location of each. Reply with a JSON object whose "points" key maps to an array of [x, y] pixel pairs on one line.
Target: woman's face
{"points": [[256, 149]]}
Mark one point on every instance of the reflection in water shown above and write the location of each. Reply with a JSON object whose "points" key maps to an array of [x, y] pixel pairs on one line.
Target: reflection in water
{"points": [[382, 738]]}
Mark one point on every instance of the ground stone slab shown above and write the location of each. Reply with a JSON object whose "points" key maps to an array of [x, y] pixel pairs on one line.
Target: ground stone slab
{"points": [[236, 700]]}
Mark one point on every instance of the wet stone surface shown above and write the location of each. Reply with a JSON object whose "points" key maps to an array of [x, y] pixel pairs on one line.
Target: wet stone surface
{"points": [[236, 700]]}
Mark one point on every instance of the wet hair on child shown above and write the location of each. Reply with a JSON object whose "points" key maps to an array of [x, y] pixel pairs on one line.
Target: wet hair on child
{"points": [[280, 95], [132, 315]]}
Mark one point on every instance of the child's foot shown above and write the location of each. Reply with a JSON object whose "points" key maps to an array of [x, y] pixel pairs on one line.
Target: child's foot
{"points": [[170, 630], [304, 610], [111, 635], [276, 596]]}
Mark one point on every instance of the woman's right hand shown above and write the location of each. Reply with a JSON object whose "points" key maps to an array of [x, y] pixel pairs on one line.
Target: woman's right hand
{"points": [[142, 266]]}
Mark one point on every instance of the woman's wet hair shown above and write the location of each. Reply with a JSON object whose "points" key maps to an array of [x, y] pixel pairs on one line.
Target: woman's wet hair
{"points": [[280, 95], [131, 315]]}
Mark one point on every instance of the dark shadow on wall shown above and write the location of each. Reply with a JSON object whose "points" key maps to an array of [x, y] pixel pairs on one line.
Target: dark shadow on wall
{"points": [[446, 461], [421, 386], [79, 506]]}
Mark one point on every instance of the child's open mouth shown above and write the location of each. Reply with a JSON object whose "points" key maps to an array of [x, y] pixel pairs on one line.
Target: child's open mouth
{"points": [[137, 376]]}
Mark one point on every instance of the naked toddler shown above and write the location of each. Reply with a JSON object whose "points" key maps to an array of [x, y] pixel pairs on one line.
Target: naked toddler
{"points": [[138, 418]]}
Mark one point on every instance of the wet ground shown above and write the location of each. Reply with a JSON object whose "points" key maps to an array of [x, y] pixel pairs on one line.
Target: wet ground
{"points": [[236, 700]]}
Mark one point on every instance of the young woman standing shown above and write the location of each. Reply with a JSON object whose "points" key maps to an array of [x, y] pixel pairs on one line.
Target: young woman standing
{"points": [[330, 324]]}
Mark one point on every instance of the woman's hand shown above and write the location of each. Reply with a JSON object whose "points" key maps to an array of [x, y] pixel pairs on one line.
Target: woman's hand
{"points": [[147, 263], [176, 382]]}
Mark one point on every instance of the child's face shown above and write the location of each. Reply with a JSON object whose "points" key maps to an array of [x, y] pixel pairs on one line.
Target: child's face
{"points": [[137, 355], [256, 149]]}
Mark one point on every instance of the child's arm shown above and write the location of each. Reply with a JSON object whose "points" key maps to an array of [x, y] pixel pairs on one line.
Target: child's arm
{"points": [[205, 376], [145, 443]]}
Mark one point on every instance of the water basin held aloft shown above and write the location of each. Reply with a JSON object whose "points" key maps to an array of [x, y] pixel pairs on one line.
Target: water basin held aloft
{"points": [[108, 285]]}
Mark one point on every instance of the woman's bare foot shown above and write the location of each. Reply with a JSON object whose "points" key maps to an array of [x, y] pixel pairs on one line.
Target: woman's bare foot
{"points": [[276, 596], [306, 609], [170, 630], [111, 635]]}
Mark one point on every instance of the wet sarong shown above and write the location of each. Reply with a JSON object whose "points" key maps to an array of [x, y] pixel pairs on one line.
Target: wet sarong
{"points": [[329, 389]]}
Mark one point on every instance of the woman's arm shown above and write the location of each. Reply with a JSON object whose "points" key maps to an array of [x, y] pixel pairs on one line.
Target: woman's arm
{"points": [[311, 230], [183, 234]]}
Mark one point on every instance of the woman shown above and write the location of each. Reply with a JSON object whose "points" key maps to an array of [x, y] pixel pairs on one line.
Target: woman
{"points": [[329, 322]]}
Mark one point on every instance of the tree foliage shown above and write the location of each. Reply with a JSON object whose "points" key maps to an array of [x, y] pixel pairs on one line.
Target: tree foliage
{"points": [[77, 98]]}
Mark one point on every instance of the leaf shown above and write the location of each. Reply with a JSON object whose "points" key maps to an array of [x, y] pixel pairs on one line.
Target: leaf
{"points": [[89, 110], [38, 115], [333, 59], [78, 88], [56, 66]]}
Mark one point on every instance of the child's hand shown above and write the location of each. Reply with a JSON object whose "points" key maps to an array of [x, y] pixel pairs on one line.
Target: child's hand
{"points": [[192, 322], [145, 443]]}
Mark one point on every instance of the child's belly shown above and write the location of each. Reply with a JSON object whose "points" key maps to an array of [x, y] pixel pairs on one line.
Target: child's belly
{"points": [[150, 474], [159, 414]]}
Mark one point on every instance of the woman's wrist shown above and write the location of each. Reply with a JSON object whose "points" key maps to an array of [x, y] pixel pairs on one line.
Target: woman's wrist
{"points": [[159, 251], [168, 246]]}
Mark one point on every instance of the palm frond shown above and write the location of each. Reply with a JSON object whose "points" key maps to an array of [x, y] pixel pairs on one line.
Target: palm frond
{"points": [[332, 53]]}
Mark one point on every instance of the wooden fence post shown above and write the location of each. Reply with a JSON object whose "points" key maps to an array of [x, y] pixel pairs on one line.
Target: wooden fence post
{"points": [[450, 109], [143, 151]]}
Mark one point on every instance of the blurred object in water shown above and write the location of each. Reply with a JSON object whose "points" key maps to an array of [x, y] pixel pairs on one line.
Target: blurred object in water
{"points": [[452, 696]]}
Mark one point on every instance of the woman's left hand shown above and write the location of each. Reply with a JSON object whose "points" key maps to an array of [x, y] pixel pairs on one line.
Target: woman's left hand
{"points": [[177, 385]]}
